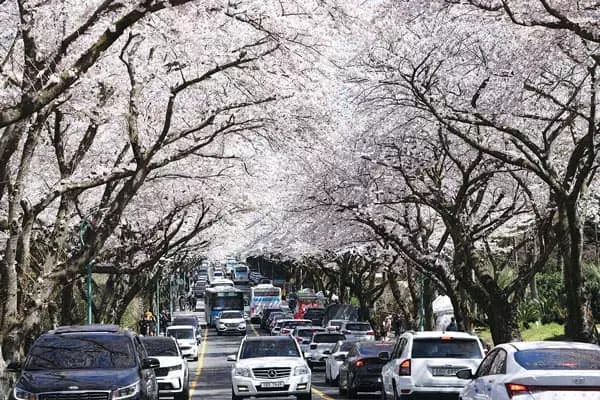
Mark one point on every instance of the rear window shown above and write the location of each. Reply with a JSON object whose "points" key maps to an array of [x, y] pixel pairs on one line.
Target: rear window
{"points": [[76, 351], [367, 349], [314, 312], [358, 327], [185, 321], [307, 333], [181, 333], [328, 338], [559, 359], [293, 324], [346, 346], [335, 323], [442, 348]]}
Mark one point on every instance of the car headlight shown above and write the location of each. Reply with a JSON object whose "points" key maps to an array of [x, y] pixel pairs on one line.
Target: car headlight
{"points": [[126, 392], [243, 325], [175, 368], [221, 325], [301, 370], [21, 394], [243, 372]]}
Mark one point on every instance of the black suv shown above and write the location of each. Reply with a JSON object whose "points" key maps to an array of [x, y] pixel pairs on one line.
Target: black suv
{"points": [[95, 362]]}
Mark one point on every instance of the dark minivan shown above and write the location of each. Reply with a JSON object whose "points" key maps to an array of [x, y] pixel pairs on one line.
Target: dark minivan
{"points": [[96, 362]]}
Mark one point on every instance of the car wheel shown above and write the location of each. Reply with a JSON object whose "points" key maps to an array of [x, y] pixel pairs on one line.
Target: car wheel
{"points": [[341, 389], [383, 396], [304, 396], [327, 380], [184, 395], [396, 397], [234, 397]]}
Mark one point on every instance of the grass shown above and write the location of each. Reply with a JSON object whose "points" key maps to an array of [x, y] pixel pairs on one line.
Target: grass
{"points": [[552, 331]]}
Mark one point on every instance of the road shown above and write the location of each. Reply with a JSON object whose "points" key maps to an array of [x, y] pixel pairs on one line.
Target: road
{"points": [[210, 375]]}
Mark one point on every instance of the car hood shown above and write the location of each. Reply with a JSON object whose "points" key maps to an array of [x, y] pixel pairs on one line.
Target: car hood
{"points": [[232, 320], [76, 379], [270, 362], [169, 361]]}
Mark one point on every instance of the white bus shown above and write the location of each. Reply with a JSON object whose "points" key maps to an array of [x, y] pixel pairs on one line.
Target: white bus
{"points": [[263, 296]]}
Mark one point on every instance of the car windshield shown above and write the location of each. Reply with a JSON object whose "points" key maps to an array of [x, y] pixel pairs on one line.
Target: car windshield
{"points": [[328, 338], [181, 333], [358, 327], [446, 348], [269, 348], [160, 347], [346, 346], [231, 315], [559, 359], [77, 351]]}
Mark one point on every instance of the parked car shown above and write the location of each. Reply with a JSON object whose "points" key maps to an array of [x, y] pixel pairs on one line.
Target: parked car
{"points": [[537, 370], [315, 314], [80, 361], [288, 325], [267, 366], [320, 347], [303, 335], [186, 339], [172, 376], [231, 322], [425, 364], [335, 324], [357, 331], [335, 360], [361, 370]]}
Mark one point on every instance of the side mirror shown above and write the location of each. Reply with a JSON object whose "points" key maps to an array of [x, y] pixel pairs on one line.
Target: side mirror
{"points": [[198, 340], [150, 363], [14, 366], [231, 357], [465, 373], [385, 356]]}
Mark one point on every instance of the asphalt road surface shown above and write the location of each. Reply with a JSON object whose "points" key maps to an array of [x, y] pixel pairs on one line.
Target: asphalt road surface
{"points": [[210, 375]]}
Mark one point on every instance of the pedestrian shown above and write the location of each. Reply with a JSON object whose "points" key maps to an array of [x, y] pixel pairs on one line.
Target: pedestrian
{"points": [[452, 325], [397, 325], [149, 324], [387, 327]]}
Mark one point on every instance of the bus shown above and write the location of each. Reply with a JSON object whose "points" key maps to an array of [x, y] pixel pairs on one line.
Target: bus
{"points": [[222, 298], [263, 296], [241, 274]]}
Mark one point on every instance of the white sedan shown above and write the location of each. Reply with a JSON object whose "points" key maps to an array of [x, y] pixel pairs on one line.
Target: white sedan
{"points": [[536, 371]]}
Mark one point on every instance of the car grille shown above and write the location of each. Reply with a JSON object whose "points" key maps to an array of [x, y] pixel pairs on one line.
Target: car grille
{"points": [[232, 325], [271, 373], [74, 396], [161, 371]]}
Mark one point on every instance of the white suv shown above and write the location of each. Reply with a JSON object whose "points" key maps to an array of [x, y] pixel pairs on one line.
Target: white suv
{"points": [[424, 365], [268, 366]]}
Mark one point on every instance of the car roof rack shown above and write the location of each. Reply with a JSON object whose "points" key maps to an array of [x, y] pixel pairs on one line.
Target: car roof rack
{"points": [[87, 328]]}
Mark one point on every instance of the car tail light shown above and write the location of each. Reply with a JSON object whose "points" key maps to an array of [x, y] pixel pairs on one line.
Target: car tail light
{"points": [[298, 339], [359, 363], [285, 331], [346, 332], [371, 333], [515, 389], [404, 368]]}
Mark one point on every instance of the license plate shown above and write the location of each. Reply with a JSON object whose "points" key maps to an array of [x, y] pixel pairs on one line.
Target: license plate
{"points": [[272, 384], [444, 371]]}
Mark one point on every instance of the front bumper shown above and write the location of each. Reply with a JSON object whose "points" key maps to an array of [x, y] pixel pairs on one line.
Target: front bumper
{"points": [[191, 352], [243, 386], [231, 329], [170, 384]]}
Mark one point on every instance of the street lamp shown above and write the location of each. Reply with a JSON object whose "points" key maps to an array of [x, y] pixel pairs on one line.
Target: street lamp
{"points": [[83, 228]]}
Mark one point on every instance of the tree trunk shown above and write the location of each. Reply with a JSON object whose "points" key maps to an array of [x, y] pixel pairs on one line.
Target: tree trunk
{"points": [[570, 229], [503, 320]]}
